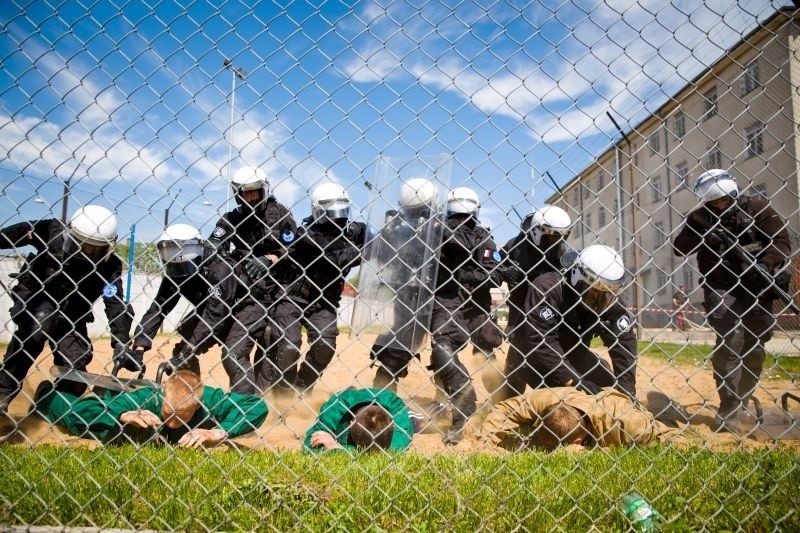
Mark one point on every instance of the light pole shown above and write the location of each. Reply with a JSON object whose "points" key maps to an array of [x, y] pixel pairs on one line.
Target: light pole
{"points": [[65, 193], [236, 72], [166, 211]]}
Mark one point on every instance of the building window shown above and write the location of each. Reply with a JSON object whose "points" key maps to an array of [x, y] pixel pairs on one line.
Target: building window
{"points": [[601, 178], [714, 157], [750, 77], [688, 278], [601, 217], [710, 104], [654, 142], [680, 125], [587, 192], [658, 190], [659, 238], [576, 198], [754, 140], [758, 191], [588, 221], [681, 172], [662, 280]]}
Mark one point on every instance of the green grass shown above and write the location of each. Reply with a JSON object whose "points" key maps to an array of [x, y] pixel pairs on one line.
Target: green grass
{"points": [[775, 367], [162, 488]]}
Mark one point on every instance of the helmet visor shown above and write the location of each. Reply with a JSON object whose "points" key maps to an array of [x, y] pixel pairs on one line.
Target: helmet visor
{"points": [[336, 208], [180, 257], [86, 250]]}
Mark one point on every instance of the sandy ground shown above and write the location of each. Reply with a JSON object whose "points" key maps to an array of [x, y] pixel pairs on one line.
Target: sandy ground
{"points": [[289, 418]]}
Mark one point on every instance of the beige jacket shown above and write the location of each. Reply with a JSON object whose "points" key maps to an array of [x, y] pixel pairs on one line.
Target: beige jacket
{"points": [[615, 419]]}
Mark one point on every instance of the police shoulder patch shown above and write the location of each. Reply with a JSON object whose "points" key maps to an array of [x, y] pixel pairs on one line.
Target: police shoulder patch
{"points": [[287, 236], [546, 312], [215, 292], [218, 232], [110, 290], [624, 323], [496, 256]]}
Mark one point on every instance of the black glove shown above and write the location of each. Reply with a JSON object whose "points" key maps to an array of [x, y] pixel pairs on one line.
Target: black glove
{"points": [[181, 361], [512, 274], [587, 386], [467, 278], [127, 358], [717, 240], [355, 233], [257, 267]]}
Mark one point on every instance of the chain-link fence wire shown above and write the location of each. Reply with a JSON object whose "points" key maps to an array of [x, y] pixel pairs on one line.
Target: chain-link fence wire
{"points": [[610, 112]]}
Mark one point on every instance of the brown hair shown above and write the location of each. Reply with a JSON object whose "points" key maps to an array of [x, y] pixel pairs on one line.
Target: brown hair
{"points": [[181, 395], [372, 427], [560, 424]]}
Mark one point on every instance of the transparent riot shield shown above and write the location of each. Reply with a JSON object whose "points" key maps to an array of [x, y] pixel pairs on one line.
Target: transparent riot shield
{"points": [[397, 276]]}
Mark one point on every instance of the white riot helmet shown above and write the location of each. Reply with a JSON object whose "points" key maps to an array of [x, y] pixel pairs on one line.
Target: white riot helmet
{"points": [[181, 248], [549, 225], [92, 229], [715, 184], [250, 179], [330, 200], [597, 272], [463, 201], [417, 195]]}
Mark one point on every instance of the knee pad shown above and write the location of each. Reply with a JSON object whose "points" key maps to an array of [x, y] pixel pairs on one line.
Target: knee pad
{"points": [[392, 360], [734, 340]]}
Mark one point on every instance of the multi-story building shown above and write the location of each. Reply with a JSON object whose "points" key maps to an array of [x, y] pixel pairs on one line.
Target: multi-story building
{"points": [[740, 114]]}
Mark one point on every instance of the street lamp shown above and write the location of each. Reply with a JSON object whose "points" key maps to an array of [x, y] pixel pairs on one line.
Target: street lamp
{"points": [[65, 193], [166, 211], [236, 72]]}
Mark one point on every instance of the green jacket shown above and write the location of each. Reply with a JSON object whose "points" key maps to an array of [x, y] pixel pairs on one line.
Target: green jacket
{"points": [[98, 416], [336, 414]]}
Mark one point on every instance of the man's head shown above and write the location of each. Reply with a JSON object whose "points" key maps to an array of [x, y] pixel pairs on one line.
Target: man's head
{"points": [[561, 425], [91, 233], [716, 189], [372, 427], [418, 198], [250, 187], [597, 274], [181, 398], [549, 229], [330, 202], [181, 248], [463, 203]]}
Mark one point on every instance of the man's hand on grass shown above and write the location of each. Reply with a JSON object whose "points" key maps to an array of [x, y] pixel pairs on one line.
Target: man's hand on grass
{"points": [[324, 439], [202, 437], [140, 419]]}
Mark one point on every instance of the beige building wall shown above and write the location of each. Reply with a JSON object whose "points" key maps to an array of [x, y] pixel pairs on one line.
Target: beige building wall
{"points": [[661, 158]]}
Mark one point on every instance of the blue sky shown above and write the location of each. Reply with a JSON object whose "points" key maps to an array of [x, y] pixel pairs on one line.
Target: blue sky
{"points": [[134, 102]]}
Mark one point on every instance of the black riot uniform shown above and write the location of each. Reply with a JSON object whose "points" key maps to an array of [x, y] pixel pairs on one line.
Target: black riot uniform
{"points": [[244, 235], [558, 330], [53, 301], [490, 271], [323, 255], [216, 295], [737, 308], [523, 253]]}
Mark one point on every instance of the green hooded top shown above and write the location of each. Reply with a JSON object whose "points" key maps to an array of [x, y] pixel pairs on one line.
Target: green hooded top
{"points": [[336, 414], [98, 416]]}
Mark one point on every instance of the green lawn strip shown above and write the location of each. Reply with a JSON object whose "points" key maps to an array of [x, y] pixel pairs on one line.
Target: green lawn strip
{"points": [[162, 488], [775, 367]]}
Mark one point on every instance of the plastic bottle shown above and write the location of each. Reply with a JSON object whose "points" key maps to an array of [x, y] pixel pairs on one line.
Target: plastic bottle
{"points": [[639, 512]]}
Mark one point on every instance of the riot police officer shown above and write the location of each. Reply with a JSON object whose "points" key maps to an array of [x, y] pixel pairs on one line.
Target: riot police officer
{"points": [[73, 266], [565, 311], [740, 243], [537, 249], [327, 247], [208, 282], [254, 237]]}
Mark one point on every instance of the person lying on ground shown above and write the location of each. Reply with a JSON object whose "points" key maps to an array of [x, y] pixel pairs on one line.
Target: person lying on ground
{"points": [[547, 418], [361, 419], [182, 412]]}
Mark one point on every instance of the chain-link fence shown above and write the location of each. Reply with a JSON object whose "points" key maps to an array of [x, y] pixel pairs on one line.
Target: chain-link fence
{"points": [[466, 234]]}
